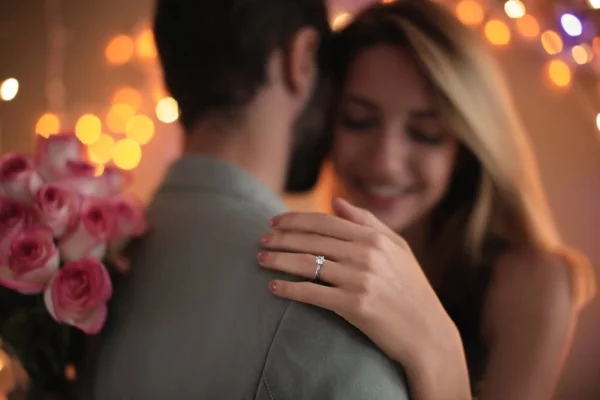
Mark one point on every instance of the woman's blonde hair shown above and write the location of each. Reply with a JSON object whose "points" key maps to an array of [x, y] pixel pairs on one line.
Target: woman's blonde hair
{"points": [[477, 108]]}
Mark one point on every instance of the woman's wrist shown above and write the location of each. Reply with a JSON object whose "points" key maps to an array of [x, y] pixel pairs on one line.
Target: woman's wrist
{"points": [[436, 367]]}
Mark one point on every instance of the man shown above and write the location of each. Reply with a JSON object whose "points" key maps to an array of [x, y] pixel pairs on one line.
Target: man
{"points": [[196, 319]]}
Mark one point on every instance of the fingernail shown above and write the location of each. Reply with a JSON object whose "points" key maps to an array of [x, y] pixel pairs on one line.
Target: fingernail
{"points": [[266, 238], [274, 221], [272, 286], [262, 256]]}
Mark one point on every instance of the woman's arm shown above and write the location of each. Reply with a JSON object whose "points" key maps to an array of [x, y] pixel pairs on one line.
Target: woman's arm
{"points": [[376, 284], [529, 318]]}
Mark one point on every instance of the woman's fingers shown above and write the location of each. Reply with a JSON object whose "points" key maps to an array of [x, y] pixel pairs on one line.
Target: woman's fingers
{"points": [[330, 298], [305, 265], [320, 224], [298, 242]]}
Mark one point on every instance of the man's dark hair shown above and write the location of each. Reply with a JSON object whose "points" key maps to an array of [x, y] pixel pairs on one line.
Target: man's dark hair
{"points": [[214, 53]]}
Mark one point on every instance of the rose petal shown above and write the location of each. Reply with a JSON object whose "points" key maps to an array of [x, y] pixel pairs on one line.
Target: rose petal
{"points": [[93, 321], [80, 243], [53, 154], [8, 280]]}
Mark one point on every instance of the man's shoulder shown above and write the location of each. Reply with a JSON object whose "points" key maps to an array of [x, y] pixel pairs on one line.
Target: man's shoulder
{"points": [[315, 353]]}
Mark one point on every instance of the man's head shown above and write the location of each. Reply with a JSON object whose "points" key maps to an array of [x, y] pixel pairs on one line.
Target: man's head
{"points": [[218, 55]]}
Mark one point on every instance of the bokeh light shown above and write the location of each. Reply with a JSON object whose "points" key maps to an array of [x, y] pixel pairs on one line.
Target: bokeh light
{"points": [[119, 50], [128, 95], [101, 151], [47, 125], [598, 121], [9, 89], [340, 21], [88, 128], [118, 116], [514, 9], [127, 154], [140, 129], [144, 45], [552, 43], [497, 32], [596, 46], [559, 73], [528, 27], [167, 110], [582, 54], [571, 24], [470, 12], [595, 4]]}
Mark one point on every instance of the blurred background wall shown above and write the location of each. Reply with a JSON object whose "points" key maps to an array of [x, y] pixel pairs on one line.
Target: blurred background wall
{"points": [[69, 61]]}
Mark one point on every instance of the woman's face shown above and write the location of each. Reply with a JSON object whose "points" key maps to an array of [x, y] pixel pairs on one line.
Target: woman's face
{"points": [[391, 150]]}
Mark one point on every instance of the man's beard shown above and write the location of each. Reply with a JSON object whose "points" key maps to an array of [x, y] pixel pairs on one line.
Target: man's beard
{"points": [[312, 140]]}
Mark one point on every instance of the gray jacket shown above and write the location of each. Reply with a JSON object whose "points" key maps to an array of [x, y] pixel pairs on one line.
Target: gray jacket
{"points": [[196, 320]]}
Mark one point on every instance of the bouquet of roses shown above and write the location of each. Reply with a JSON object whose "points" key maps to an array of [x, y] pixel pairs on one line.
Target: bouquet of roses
{"points": [[63, 227]]}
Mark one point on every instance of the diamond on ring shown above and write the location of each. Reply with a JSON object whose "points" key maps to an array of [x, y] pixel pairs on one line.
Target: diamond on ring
{"points": [[320, 262]]}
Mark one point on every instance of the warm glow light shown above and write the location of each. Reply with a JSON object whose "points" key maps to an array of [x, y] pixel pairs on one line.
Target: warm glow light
{"points": [[497, 32], [387, 1], [127, 154], [128, 95], [167, 110], [552, 42], [598, 121], [9, 89], [118, 116], [470, 12], [144, 45], [88, 128], [582, 54], [340, 21], [595, 4], [47, 125], [514, 9], [119, 50], [596, 46], [528, 27], [571, 24], [101, 151], [70, 372], [140, 128], [559, 73]]}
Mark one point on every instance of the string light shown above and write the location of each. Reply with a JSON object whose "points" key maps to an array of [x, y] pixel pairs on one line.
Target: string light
{"points": [[167, 110], [119, 50], [582, 54], [88, 128], [101, 151], [144, 45], [127, 154], [598, 121], [497, 32], [595, 4], [571, 24], [470, 12], [47, 125], [118, 116], [9, 89], [515, 9], [130, 96], [528, 27], [552, 43], [340, 21], [559, 73], [140, 128]]}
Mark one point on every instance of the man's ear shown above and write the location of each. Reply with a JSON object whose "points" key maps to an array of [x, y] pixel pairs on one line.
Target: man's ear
{"points": [[301, 61]]}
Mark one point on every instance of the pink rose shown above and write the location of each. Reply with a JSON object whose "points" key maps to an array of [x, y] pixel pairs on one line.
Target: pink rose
{"points": [[116, 180], [78, 295], [14, 217], [32, 261], [18, 177], [82, 177], [55, 153], [58, 204], [90, 236]]}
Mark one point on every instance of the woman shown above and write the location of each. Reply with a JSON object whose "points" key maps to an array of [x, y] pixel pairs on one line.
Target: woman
{"points": [[426, 140]]}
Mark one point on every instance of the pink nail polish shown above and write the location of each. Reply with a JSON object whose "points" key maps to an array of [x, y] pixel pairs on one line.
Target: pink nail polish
{"points": [[272, 286], [274, 221], [262, 256], [266, 238]]}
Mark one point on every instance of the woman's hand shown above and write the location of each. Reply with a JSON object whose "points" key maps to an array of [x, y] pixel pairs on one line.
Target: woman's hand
{"points": [[376, 284]]}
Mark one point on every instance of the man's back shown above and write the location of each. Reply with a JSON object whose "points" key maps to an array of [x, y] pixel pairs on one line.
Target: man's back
{"points": [[196, 320]]}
